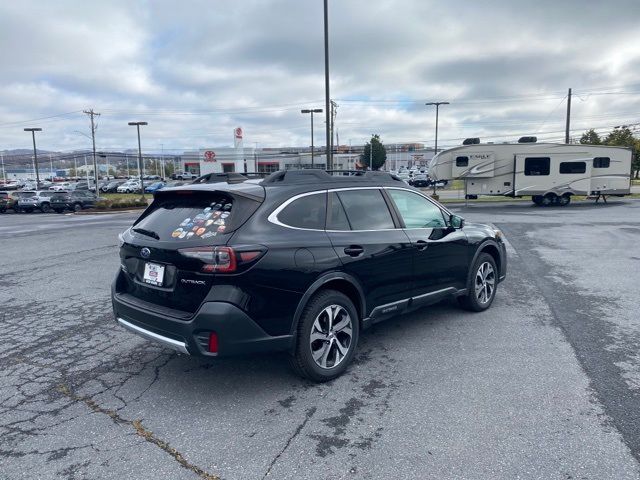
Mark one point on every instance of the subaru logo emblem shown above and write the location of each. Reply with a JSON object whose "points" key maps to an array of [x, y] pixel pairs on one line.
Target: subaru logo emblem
{"points": [[145, 252]]}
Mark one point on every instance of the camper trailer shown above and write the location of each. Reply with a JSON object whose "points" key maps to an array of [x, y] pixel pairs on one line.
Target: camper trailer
{"points": [[549, 173]]}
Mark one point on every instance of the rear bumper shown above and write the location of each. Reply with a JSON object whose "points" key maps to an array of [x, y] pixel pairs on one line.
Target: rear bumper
{"points": [[237, 333]]}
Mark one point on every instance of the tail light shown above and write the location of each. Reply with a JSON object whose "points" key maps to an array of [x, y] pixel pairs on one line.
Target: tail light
{"points": [[222, 259]]}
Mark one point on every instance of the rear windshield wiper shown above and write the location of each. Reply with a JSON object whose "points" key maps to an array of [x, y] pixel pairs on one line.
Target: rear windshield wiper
{"points": [[148, 233]]}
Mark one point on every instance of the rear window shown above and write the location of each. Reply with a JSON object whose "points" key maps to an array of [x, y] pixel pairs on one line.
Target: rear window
{"points": [[194, 216], [305, 212]]}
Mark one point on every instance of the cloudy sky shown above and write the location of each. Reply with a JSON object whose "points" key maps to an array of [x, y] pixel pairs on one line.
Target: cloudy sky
{"points": [[196, 69]]}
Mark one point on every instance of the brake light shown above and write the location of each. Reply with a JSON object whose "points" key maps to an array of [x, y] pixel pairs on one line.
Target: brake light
{"points": [[223, 259], [216, 259]]}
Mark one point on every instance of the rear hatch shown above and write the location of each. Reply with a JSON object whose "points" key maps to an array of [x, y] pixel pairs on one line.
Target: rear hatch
{"points": [[157, 255]]}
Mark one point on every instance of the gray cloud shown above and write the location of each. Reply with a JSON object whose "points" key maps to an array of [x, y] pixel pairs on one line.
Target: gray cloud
{"points": [[196, 69]]}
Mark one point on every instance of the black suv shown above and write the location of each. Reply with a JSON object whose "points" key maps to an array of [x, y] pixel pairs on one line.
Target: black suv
{"points": [[302, 261], [75, 200]]}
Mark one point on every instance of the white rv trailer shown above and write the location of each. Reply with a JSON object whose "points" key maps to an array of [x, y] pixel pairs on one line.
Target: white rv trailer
{"points": [[550, 173]]}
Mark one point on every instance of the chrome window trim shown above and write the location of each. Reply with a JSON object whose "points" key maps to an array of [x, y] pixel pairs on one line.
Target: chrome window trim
{"points": [[273, 217]]}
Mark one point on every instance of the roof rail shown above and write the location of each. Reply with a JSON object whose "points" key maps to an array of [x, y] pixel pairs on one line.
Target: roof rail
{"points": [[317, 175], [229, 177], [221, 177]]}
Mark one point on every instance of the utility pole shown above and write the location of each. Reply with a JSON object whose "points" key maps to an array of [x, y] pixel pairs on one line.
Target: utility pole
{"points": [[334, 108], [35, 153], [437, 104], [140, 161], [51, 166], [92, 114], [329, 164], [566, 133], [312, 111], [4, 175]]}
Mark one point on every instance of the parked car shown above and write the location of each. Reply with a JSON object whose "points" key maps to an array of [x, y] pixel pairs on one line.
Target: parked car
{"points": [[10, 200], [420, 180], [129, 187], [4, 201], [154, 187], [62, 186], [111, 187], [10, 185], [35, 200], [184, 176], [75, 200], [300, 262]]}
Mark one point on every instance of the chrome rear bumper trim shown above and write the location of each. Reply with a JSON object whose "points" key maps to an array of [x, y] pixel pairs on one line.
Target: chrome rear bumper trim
{"points": [[166, 341]]}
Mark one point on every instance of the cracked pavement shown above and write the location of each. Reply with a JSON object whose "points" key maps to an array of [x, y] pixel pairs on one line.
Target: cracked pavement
{"points": [[546, 384]]}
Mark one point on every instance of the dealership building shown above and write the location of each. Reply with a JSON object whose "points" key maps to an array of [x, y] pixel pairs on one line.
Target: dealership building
{"points": [[266, 160]]}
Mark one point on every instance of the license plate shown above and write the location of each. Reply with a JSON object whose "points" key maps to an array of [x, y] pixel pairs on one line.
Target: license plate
{"points": [[153, 274]]}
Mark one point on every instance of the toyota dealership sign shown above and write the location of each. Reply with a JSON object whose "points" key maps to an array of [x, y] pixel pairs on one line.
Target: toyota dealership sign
{"points": [[209, 156]]}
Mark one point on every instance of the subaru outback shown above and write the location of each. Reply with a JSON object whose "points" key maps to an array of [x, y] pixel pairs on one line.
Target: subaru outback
{"points": [[301, 261]]}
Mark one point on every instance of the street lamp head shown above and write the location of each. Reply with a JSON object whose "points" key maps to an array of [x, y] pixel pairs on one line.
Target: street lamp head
{"points": [[437, 103], [315, 110], [32, 129], [138, 123]]}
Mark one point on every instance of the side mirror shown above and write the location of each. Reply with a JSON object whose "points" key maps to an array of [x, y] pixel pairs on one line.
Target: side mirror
{"points": [[456, 222]]}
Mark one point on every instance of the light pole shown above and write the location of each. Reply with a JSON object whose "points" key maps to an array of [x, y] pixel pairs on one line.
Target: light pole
{"points": [[329, 165], [312, 111], [4, 175], [35, 153], [137, 125], [437, 104]]}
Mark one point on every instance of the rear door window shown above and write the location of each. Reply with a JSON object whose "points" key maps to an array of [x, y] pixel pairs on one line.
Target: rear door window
{"points": [[195, 216], [366, 209]]}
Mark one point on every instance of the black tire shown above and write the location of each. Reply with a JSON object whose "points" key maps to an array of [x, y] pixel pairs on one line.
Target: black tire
{"points": [[564, 200], [3, 210], [473, 300], [45, 207], [28, 210], [16, 209], [315, 315], [549, 199], [77, 207], [537, 199]]}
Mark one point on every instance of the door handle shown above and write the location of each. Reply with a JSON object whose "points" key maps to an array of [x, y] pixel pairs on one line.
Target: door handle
{"points": [[354, 250], [421, 245]]}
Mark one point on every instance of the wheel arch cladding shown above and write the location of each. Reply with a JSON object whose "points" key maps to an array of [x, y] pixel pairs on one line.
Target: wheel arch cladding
{"points": [[339, 282], [493, 251]]}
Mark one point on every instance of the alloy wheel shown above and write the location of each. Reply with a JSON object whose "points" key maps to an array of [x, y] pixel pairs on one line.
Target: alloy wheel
{"points": [[485, 283], [331, 336]]}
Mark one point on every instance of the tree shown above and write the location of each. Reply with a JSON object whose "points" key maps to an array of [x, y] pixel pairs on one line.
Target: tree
{"points": [[168, 169], [379, 153], [591, 137], [623, 137]]}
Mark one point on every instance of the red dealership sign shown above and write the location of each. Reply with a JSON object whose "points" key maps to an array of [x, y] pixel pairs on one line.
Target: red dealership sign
{"points": [[209, 156]]}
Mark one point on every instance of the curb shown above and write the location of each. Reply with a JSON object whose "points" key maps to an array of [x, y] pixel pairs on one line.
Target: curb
{"points": [[107, 212]]}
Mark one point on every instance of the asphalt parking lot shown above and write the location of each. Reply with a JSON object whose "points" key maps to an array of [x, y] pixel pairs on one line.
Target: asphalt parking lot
{"points": [[545, 384]]}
